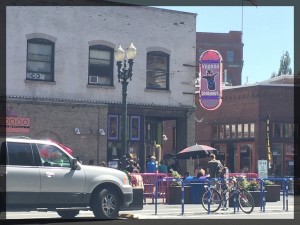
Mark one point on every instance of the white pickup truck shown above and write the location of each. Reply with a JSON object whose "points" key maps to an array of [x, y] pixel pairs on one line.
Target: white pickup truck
{"points": [[40, 175]]}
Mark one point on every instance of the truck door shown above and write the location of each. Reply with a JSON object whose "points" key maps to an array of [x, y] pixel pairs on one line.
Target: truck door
{"points": [[60, 185]]}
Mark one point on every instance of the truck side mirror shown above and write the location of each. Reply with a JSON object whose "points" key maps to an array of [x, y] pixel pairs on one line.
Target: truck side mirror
{"points": [[74, 164]]}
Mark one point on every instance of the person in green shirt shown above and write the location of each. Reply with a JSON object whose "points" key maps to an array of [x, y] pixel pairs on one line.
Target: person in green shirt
{"points": [[162, 168]]}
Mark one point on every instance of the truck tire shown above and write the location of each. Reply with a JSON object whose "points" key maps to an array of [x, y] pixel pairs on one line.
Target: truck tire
{"points": [[106, 205], [67, 214]]}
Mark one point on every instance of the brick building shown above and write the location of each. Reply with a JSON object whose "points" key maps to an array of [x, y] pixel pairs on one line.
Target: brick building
{"points": [[238, 128], [230, 46], [62, 77]]}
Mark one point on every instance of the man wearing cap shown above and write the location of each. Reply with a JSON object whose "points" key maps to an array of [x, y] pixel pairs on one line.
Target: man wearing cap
{"points": [[151, 165]]}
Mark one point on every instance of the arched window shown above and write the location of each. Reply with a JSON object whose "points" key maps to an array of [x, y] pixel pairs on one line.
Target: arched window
{"points": [[100, 65], [157, 70], [40, 59]]}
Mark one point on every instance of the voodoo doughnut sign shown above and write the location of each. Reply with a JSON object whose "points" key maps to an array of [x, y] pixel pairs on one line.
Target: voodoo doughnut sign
{"points": [[210, 79]]}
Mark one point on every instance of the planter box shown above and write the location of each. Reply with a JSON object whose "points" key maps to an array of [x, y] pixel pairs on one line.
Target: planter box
{"points": [[273, 193], [197, 191], [256, 198], [137, 202], [173, 195]]}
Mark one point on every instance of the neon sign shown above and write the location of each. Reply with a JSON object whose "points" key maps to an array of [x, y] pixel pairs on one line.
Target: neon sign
{"points": [[210, 79]]}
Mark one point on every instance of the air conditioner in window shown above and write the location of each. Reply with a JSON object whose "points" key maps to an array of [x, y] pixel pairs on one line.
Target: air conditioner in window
{"points": [[36, 76], [93, 79]]}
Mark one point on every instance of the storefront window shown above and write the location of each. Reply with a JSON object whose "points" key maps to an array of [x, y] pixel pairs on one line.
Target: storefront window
{"points": [[240, 131], [222, 153], [215, 132], [292, 131], [277, 130], [221, 129], [246, 130], [245, 158], [114, 150], [233, 131], [113, 127], [133, 150], [285, 130], [135, 128], [276, 168], [289, 160], [227, 131], [252, 130]]}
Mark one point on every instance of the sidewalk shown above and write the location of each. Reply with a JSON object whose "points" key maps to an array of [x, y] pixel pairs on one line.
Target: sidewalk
{"points": [[166, 211]]}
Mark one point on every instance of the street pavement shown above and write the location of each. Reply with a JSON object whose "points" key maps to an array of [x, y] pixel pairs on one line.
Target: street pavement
{"points": [[273, 210]]}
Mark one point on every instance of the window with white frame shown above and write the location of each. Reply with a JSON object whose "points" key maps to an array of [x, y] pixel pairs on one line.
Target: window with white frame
{"points": [[100, 65], [40, 60], [157, 70]]}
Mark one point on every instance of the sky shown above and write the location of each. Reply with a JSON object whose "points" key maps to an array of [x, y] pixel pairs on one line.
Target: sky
{"points": [[268, 31]]}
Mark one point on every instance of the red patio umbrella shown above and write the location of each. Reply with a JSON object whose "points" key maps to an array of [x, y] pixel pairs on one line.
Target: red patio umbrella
{"points": [[196, 151]]}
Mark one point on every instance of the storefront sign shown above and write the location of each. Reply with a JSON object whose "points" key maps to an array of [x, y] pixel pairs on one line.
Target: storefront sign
{"points": [[210, 79], [262, 168], [14, 124]]}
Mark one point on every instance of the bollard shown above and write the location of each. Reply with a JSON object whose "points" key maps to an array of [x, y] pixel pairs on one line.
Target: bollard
{"points": [[287, 193], [182, 198], [209, 195], [262, 194]]}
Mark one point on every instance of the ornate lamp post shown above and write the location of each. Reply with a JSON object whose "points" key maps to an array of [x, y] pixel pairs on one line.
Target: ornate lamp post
{"points": [[123, 75]]}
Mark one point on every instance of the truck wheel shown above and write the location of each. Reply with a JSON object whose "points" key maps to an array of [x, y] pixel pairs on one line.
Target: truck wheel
{"points": [[106, 205], [67, 214]]}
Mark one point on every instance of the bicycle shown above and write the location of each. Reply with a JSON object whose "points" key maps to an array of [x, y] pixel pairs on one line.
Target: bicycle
{"points": [[243, 197]]}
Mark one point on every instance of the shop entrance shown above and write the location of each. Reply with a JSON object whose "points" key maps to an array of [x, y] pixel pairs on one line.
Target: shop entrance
{"points": [[238, 157], [160, 139]]}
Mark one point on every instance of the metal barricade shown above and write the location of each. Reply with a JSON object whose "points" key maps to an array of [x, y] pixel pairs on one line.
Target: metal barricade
{"points": [[168, 180], [149, 182]]}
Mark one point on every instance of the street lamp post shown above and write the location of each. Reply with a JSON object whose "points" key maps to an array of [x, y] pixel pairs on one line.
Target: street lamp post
{"points": [[123, 75]]}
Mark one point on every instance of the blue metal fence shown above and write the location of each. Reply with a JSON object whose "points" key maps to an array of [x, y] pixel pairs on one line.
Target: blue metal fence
{"points": [[284, 184]]}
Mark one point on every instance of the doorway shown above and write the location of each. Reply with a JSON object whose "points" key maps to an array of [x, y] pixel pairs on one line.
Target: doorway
{"points": [[238, 157]]}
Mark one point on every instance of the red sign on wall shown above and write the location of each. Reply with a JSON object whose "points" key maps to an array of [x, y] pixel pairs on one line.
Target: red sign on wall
{"points": [[14, 124], [210, 79]]}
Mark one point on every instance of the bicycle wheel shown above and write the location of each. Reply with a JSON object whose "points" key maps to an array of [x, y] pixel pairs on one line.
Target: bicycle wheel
{"points": [[215, 200], [246, 201]]}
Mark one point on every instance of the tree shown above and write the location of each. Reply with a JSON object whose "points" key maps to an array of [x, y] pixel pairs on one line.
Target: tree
{"points": [[285, 62]]}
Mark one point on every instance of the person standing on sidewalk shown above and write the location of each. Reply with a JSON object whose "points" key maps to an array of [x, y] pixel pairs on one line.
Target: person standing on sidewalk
{"points": [[215, 167]]}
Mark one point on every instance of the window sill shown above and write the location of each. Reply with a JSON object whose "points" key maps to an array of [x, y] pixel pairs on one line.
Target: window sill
{"points": [[99, 86], [40, 82], [157, 90]]}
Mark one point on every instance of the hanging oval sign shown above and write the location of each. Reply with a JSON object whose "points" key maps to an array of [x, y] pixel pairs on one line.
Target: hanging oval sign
{"points": [[210, 79]]}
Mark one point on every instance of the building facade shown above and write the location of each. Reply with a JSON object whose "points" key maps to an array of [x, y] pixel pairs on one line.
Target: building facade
{"points": [[62, 78], [252, 121]]}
